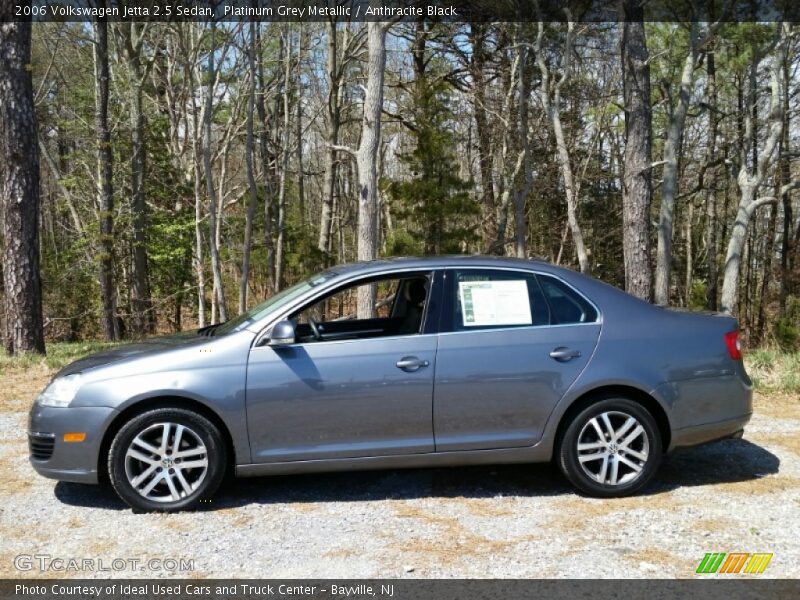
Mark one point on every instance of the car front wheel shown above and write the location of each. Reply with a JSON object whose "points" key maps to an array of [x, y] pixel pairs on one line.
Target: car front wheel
{"points": [[166, 459], [611, 448]]}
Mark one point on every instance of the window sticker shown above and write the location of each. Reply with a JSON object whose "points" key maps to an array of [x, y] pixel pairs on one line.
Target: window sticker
{"points": [[495, 303]]}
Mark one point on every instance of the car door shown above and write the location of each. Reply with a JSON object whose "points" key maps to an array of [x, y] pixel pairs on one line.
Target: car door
{"points": [[366, 389], [505, 358]]}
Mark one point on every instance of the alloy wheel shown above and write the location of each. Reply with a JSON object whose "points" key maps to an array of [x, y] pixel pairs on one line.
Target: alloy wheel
{"points": [[166, 462], [613, 448]]}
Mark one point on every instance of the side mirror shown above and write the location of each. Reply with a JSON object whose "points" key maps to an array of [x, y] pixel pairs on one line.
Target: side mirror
{"points": [[282, 334]]}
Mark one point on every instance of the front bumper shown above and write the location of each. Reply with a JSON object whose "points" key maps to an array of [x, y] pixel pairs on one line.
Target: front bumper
{"points": [[69, 461]]}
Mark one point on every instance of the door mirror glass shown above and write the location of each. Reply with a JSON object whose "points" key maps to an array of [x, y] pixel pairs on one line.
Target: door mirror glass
{"points": [[282, 334]]}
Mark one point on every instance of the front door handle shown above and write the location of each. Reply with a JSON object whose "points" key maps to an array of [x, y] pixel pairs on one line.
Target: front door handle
{"points": [[563, 354], [411, 363]]}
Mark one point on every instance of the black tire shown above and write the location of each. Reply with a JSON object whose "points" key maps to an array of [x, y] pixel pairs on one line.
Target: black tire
{"points": [[567, 454], [200, 428]]}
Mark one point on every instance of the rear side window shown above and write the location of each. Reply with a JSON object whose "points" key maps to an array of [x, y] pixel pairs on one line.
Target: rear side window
{"points": [[566, 306], [488, 299]]}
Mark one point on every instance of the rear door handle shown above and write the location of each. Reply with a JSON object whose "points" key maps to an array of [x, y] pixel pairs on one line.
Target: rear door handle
{"points": [[411, 363], [563, 354]]}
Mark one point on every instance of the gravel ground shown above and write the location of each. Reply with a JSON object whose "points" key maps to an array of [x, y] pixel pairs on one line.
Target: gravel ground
{"points": [[509, 521]]}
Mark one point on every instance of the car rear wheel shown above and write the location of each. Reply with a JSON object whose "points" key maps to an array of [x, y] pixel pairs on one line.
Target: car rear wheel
{"points": [[611, 448], [167, 459]]}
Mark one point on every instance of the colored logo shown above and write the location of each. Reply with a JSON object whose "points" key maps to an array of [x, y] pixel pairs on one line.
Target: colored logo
{"points": [[734, 562]]}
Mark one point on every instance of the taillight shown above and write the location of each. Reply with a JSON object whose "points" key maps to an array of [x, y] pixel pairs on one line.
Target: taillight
{"points": [[734, 345]]}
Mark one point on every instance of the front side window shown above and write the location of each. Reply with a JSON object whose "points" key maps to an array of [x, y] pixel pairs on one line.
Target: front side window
{"points": [[399, 305], [274, 303]]}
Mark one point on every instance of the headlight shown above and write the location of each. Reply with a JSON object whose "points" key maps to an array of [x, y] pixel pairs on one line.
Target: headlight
{"points": [[61, 391]]}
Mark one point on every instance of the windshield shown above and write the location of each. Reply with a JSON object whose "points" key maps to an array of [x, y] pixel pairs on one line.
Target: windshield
{"points": [[274, 302]]}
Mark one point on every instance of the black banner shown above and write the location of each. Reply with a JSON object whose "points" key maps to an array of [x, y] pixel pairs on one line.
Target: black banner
{"points": [[713, 588], [401, 10]]}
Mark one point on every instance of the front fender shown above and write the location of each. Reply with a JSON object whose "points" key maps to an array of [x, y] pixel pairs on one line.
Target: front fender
{"points": [[220, 389]]}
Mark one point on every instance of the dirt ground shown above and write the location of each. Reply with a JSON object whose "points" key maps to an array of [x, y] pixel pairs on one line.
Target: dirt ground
{"points": [[509, 521]]}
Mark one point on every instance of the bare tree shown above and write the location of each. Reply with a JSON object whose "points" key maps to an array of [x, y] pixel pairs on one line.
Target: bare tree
{"points": [[367, 159], [550, 94], [522, 188], [211, 190], [286, 42], [266, 159], [131, 38], [342, 48], [637, 188], [750, 179], [105, 191], [249, 150], [712, 244], [478, 61], [19, 189], [192, 69], [677, 111]]}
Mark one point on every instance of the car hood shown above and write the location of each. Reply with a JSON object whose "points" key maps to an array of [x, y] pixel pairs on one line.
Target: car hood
{"points": [[135, 350]]}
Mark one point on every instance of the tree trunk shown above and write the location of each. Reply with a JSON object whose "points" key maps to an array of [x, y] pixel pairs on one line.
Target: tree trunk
{"points": [[689, 256], [669, 187], [332, 138], [219, 290], [251, 177], [367, 159], [749, 182], [298, 125], [263, 142], [553, 110], [523, 188], [786, 202], [637, 187], [19, 189], [131, 38], [711, 187], [766, 275], [105, 192], [488, 202], [286, 140]]}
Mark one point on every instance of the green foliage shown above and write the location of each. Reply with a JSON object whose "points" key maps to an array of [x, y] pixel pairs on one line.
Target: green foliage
{"points": [[70, 289], [787, 329], [401, 242], [59, 354], [774, 370], [302, 255], [434, 204], [169, 247], [698, 295]]}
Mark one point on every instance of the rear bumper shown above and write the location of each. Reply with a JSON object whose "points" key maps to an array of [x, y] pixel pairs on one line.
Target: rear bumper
{"points": [[68, 461], [708, 432], [704, 409]]}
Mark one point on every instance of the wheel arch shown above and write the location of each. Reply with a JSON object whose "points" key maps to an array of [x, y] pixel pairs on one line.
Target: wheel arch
{"points": [[162, 401], [639, 396]]}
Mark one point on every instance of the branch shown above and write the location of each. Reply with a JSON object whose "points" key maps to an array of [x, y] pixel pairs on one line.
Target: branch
{"points": [[400, 119], [756, 204], [345, 149], [786, 188]]}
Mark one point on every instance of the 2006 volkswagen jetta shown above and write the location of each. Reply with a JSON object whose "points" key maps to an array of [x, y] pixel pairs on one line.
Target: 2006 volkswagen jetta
{"points": [[448, 361]]}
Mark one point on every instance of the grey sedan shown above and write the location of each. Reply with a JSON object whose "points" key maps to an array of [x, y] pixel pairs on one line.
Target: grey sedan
{"points": [[400, 363]]}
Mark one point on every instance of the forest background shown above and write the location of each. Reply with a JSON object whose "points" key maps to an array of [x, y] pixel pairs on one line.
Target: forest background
{"points": [[159, 177]]}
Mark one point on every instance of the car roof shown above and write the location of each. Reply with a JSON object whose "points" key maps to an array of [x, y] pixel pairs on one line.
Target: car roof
{"points": [[438, 262]]}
